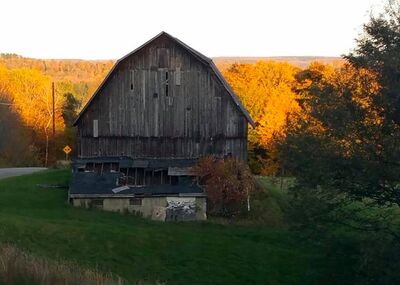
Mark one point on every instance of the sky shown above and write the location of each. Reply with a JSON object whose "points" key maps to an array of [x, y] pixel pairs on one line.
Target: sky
{"points": [[88, 29]]}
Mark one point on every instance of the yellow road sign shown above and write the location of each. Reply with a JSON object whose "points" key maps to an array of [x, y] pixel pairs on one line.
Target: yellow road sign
{"points": [[67, 149]]}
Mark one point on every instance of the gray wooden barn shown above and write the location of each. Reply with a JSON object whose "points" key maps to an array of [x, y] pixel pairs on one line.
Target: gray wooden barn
{"points": [[159, 109]]}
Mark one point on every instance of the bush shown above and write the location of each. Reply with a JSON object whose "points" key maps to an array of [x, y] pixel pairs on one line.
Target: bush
{"points": [[228, 183], [365, 236], [379, 260]]}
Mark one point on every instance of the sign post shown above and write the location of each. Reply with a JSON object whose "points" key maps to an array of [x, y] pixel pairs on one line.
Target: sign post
{"points": [[67, 149]]}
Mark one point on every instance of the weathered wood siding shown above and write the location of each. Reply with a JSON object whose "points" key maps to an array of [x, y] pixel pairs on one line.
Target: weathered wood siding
{"points": [[138, 117]]}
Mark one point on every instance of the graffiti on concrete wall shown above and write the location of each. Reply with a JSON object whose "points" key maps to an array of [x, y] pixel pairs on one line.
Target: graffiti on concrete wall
{"points": [[180, 209]]}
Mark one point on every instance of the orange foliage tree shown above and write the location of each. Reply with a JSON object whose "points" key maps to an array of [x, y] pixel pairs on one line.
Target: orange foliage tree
{"points": [[266, 90], [31, 94], [344, 80], [340, 124], [26, 85], [16, 148]]}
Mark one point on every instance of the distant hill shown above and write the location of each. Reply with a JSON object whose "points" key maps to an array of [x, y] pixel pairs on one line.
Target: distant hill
{"points": [[299, 61], [76, 70], [73, 70], [86, 75]]}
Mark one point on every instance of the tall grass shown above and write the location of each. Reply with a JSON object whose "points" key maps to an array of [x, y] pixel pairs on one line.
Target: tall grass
{"points": [[19, 268]]}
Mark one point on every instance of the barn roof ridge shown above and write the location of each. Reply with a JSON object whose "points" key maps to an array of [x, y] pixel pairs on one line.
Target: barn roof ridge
{"points": [[206, 60]]}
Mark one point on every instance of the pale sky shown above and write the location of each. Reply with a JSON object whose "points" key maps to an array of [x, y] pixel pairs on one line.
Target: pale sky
{"points": [[88, 29]]}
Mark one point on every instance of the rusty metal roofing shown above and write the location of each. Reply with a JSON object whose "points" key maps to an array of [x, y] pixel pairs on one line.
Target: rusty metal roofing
{"points": [[204, 59]]}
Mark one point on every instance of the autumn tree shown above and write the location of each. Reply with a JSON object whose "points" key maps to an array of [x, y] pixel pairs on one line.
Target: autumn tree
{"points": [[32, 99], [16, 146], [350, 143], [335, 146], [228, 183], [265, 88]]}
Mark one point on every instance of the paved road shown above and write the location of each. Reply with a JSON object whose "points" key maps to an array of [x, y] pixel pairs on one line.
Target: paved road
{"points": [[8, 172]]}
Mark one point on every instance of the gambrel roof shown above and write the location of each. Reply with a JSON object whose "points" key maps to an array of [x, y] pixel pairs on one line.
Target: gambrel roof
{"points": [[202, 58]]}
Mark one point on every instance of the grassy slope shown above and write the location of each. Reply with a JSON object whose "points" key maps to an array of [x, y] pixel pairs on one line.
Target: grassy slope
{"points": [[40, 221]]}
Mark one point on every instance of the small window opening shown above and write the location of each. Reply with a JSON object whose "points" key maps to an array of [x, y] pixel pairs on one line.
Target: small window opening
{"points": [[148, 176], [132, 176], [178, 76], [98, 168], [166, 84], [139, 176], [157, 177], [106, 167], [132, 78], [89, 167], [95, 128], [185, 180], [124, 171], [97, 203], [135, 202], [114, 166], [174, 180]]}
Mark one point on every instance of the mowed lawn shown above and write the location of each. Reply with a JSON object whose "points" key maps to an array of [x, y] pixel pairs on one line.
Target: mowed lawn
{"points": [[41, 222]]}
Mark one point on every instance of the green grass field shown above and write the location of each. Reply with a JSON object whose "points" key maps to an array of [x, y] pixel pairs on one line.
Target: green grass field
{"points": [[41, 222]]}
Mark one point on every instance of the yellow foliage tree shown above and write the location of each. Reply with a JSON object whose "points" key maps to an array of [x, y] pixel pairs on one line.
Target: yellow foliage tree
{"points": [[4, 95], [31, 94], [266, 90]]}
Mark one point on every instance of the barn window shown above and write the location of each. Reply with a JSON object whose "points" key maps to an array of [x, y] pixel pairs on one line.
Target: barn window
{"points": [[139, 176], [132, 78], [110, 167], [162, 57], [148, 176], [161, 177], [174, 180], [89, 167], [95, 128], [98, 168], [135, 201], [178, 76], [96, 203], [132, 176], [114, 167], [166, 83]]}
